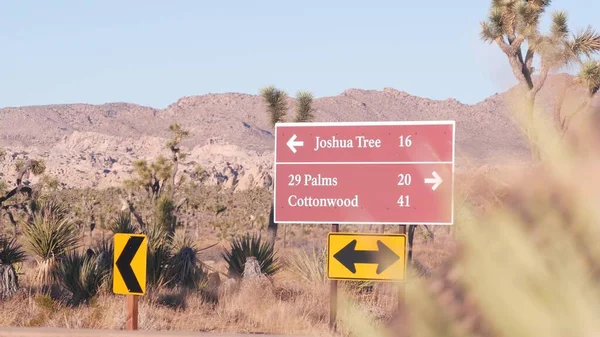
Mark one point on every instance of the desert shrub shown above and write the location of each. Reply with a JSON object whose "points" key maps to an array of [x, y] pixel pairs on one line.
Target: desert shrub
{"points": [[11, 252], [165, 213], [172, 259], [104, 253], [49, 234], [81, 275], [526, 265], [251, 245], [185, 268], [159, 255], [46, 206], [308, 265], [176, 301], [123, 224]]}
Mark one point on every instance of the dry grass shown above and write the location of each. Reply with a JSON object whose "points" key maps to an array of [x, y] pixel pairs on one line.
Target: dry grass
{"points": [[284, 306], [287, 305]]}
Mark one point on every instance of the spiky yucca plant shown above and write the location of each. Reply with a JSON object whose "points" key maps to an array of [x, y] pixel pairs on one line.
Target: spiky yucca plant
{"points": [[308, 266], [251, 245], [123, 224], [11, 253], [81, 275], [49, 235], [185, 268], [104, 253], [159, 255], [44, 205]]}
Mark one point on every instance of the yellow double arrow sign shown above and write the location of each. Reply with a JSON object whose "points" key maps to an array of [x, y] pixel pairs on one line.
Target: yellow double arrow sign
{"points": [[352, 256]]}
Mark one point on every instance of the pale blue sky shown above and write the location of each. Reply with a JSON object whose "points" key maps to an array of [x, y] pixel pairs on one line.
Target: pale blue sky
{"points": [[154, 52]]}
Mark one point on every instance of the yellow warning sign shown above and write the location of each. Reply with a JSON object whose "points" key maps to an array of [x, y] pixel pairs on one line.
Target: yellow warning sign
{"points": [[130, 260], [353, 256]]}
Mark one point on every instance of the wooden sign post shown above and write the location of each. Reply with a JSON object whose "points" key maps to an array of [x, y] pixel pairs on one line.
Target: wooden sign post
{"points": [[132, 312], [333, 293], [401, 298], [129, 279]]}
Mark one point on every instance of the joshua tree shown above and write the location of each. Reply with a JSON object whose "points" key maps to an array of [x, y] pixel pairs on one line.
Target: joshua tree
{"points": [[22, 186], [514, 26], [304, 109], [277, 107], [89, 208], [158, 179], [589, 77], [172, 258]]}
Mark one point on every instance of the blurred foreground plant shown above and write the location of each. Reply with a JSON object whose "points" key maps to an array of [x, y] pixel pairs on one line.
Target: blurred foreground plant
{"points": [[528, 264]]}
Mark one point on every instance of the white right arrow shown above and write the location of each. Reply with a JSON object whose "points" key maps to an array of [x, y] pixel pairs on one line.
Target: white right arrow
{"points": [[436, 180], [292, 143]]}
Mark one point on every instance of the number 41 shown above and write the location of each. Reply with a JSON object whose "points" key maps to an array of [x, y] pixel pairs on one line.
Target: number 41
{"points": [[404, 201]]}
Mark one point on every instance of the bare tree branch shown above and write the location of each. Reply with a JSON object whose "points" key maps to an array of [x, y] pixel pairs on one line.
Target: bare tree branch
{"points": [[19, 189], [133, 211], [516, 44], [541, 80], [517, 68], [529, 58], [566, 122], [6, 209], [180, 203], [503, 45]]}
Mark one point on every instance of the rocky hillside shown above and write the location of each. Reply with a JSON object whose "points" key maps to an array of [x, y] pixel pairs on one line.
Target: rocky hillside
{"points": [[231, 139]]}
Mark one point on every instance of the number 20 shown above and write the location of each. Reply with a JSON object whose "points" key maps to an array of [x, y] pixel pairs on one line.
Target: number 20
{"points": [[404, 179]]}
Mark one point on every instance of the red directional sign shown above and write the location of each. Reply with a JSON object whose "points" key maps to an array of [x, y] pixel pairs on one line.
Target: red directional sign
{"points": [[364, 173]]}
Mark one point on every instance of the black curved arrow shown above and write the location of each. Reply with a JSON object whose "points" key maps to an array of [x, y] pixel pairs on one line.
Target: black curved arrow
{"points": [[124, 264], [384, 257]]}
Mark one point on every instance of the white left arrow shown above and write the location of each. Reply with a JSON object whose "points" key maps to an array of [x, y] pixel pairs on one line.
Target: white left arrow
{"points": [[436, 180], [292, 143]]}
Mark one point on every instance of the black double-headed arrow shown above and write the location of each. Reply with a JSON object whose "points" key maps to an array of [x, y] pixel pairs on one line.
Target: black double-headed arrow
{"points": [[384, 257], [124, 264]]}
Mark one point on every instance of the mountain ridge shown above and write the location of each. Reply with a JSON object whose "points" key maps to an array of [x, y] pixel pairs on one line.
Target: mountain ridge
{"points": [[239, 122]]}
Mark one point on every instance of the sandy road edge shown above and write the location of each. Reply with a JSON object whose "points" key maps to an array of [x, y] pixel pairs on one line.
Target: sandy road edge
{"points": [[58, 332]]}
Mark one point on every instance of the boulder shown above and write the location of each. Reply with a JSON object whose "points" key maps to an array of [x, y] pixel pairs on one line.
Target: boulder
{"points": [[252, 269]]}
